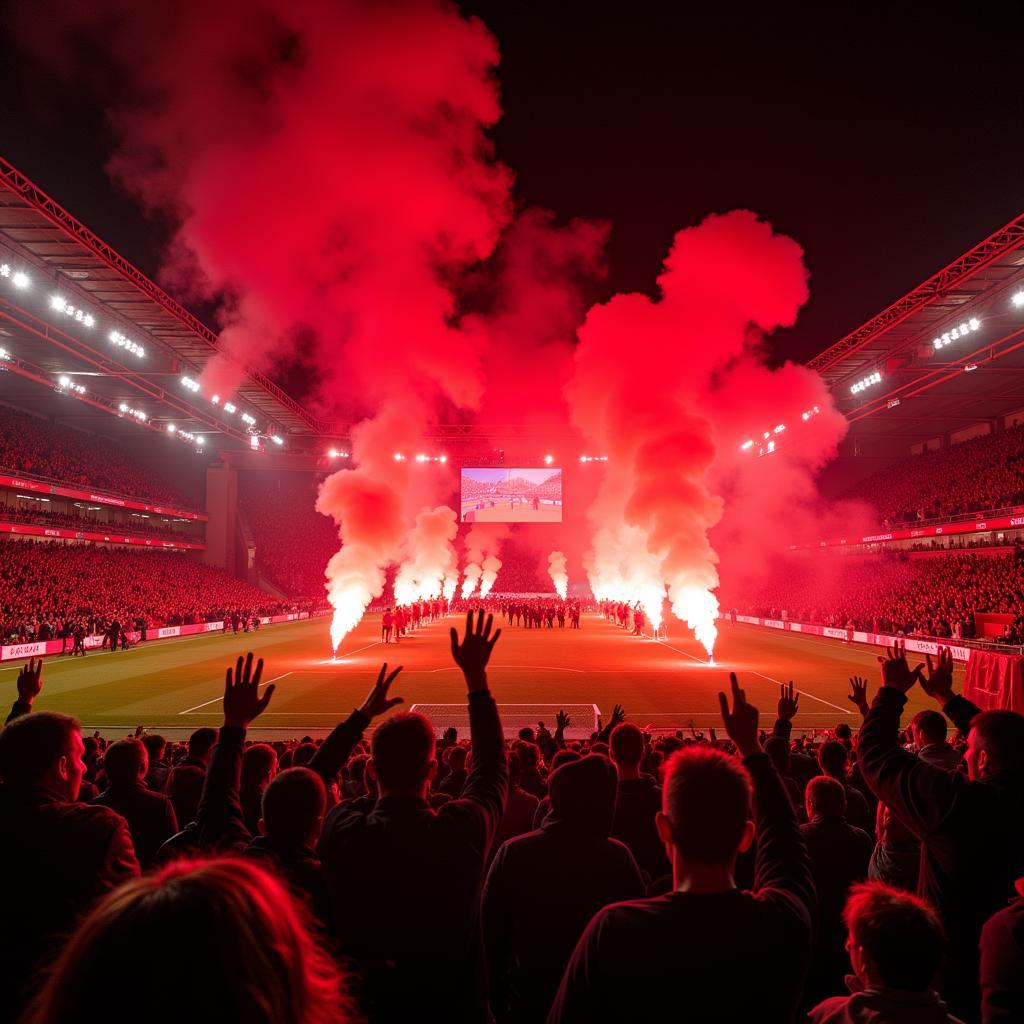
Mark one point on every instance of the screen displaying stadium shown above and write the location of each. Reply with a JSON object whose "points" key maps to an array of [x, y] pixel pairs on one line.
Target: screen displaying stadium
{"points": [[511, 495]]}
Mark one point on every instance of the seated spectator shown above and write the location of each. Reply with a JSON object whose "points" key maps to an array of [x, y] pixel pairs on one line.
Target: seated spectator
{"points": [[159, 769], [455, 779], [1002, 963], [638, 802], [57, 855], [928, 729], [839, 857], [418, 943], [971, 828], [656, 959], [150, 815], [571, 864], [520, 807], [217, 940], [896, 944]]}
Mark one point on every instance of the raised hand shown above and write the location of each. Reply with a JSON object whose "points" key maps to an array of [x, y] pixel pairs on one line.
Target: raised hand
{"points": [[474, 652], [938, 683], [789, 701], [30, 680], [618, 715], [741, 722], [561, 722], [378, 702], [858, 695], [895, 670], [242, 700]]}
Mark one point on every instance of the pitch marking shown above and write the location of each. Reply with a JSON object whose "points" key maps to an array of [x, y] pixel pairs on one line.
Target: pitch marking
{"points": [[207, 702]]}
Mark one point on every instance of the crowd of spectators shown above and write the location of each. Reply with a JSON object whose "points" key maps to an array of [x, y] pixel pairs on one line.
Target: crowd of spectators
{"points": [[34, 447], [986, 472], [392, 875], [41, 515], [294, 542], [50, 588], [935, 596]]}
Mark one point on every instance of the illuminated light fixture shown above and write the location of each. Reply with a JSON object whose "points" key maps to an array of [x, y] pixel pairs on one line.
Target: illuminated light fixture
{"points": [[813, 411], [171, 428], [61, 305], [443, 458], [548, 459], [20, 280], [215, 399], [970, 367], [4, 355], [229, 407], [746, 446], [866, 382], [956, 333], [137, 413], [247, 419], [1018, 299], [399, 457], [200, 440], [67, 384], [121, 341], [254, 442], [583, 458], [5, 270], [892, 403], [779, 429], [276, 439], [188, 382], [421, 458]]}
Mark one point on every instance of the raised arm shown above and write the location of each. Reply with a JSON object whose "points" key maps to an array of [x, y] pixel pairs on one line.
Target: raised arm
{"points": [[30, 684], [487, 784], [338, 747], [938, 684], [219, 820], [783, 868], [919, 794]]}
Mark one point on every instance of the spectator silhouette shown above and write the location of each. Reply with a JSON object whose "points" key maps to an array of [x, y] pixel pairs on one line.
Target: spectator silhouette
{"points": [[657, 958], [571, 864], [1002, 964]]}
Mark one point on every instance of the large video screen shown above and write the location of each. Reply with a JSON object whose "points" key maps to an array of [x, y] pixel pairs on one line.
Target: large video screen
{"points": [[511, 495]]}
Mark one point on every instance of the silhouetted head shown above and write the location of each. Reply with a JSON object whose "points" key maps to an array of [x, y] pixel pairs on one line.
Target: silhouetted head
{"points": [[995, 744], [832, 758], [825, 797], [403, 753], [705, 813], [201, 744], [627, 745], [43, 750], [928, 727], [293, 807], [259, 763], [125, 762], [895, 939], [223, 936]]}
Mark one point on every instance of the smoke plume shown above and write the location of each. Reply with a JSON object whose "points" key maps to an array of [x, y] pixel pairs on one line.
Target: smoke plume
{"points": [[557, 571]]}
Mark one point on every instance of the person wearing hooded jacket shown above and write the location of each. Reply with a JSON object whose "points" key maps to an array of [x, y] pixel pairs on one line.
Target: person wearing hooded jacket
{"points": [[543, 888]]}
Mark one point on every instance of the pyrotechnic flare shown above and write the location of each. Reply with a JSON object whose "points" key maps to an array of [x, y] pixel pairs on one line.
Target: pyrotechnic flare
{"points": [[558, 573], [489, 574], [429, 554], [470, 580]]}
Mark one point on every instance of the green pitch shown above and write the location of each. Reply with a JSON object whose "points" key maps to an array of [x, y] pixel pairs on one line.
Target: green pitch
{"points": [[176, 685]]}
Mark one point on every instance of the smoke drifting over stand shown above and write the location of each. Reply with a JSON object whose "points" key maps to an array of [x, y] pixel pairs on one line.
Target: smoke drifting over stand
{"points": [[328, 172]]}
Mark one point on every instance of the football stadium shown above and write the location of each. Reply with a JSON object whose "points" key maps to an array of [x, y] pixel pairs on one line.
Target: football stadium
{"points": [[494, 528]]}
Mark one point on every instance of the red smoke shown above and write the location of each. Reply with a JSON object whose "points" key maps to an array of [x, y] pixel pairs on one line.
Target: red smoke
{"points": [[328, 173]]}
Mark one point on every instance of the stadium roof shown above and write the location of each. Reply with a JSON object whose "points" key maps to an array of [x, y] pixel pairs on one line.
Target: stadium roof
{"points": [[62, 257], [926, 390]]}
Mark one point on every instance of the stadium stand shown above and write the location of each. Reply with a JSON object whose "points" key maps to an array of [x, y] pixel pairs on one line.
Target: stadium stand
{"points": [[47, 585], [934, 595], [989, 475], [294, 542], [36, 448], [133, 525]]}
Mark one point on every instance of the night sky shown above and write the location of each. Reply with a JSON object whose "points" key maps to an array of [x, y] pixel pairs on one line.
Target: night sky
{"points": [[886, 140]]}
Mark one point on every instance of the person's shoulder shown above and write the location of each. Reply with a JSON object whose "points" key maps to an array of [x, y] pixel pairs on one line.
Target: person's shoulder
{"points": [[93, 817], [829, 1011]]}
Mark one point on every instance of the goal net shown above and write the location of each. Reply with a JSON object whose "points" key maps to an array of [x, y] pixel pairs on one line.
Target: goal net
{"points": [[582, 718]]}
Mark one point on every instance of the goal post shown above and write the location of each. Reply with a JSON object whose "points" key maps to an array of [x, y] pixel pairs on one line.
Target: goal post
{"points": [[582, 718]]}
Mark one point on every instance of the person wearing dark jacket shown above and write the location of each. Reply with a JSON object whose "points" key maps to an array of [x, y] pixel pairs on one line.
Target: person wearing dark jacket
{"points": [[676, 956], [57, 855], [839, 856], [638, 802], [150, 815], [971, 828], [560, 875], [405, 880], [1002, 964], [293, 803]]}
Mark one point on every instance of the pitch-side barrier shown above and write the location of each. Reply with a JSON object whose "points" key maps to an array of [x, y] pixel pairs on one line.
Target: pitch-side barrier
{"points": [[44, 648]]}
